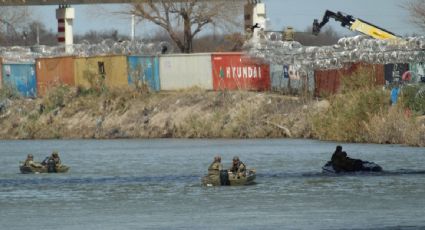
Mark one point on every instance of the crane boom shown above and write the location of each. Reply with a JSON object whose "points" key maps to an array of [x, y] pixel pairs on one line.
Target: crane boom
{"points": [[353, 24]]}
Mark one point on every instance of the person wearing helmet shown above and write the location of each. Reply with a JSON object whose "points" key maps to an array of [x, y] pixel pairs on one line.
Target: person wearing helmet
{"points": [[238, 167], [29, 162], [53, 162], [214, 171], [215, 166], [55, 158]]}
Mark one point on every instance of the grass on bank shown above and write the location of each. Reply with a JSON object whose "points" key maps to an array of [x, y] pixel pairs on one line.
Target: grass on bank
{"points": [[362, 113]]}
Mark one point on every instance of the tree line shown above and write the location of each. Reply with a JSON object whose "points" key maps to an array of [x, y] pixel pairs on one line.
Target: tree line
{"points": [[182, 24]]}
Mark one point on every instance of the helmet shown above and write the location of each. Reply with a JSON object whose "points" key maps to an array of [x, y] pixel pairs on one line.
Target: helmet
{"points": [[55, 153], [30, 156], [236, 158], [217, 158]]}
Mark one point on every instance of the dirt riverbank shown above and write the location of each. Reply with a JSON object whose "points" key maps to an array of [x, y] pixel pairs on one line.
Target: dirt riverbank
{"points": [[68, 113]]}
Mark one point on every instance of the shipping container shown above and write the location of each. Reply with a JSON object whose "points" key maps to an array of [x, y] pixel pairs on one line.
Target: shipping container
{"points": [[235, 71], [95, 72], [52, 72], [144, 70], [394, 72], [182, 71], [329, 81], [417, 72], [20, 76], [288, 79]]}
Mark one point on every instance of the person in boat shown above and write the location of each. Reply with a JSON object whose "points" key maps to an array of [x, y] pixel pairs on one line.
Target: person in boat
{"points": [[216, 166], [214, 169], [341, 162], [238, 167], [53, 162], [55, 157], [29, 162]]}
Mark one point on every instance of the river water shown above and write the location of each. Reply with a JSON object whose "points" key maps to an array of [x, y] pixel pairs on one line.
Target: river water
{"points": [[155, 184]]}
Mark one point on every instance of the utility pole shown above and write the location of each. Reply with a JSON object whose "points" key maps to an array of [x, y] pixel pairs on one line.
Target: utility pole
{"points": [[133, 24]]}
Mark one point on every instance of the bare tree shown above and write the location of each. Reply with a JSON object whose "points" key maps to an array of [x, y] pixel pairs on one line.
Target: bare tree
{"points": [[417, 12], [38, 29], [185, 19], [12, 19]]}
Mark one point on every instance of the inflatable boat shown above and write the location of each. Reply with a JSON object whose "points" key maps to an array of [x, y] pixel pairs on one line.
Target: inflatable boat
{"points": [[228, 178]]}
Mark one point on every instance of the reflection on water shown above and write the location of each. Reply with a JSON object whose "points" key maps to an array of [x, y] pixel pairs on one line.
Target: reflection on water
{"points": [[155, 184]]}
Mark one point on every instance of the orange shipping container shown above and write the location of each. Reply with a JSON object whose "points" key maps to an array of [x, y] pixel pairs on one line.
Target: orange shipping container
{"points": [[329, 81], [233, 71], [52, 72]]}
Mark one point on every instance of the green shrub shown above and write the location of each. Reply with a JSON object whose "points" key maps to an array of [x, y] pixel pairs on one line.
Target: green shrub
{"points": [[413, 97], [348, 115], [9, 92], [362, 79], [56, 98]]}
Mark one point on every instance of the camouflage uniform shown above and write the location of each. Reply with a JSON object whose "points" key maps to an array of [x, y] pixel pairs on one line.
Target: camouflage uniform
{"points": [[29, 162], [55, 157], [238, 167], [215, 168], [214, 171]]}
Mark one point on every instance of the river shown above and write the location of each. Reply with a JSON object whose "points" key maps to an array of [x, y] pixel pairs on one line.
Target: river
{"points": [[155, 184]]}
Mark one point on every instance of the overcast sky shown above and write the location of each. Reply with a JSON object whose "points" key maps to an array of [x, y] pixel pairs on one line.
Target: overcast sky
{"points": [[388, 14]]}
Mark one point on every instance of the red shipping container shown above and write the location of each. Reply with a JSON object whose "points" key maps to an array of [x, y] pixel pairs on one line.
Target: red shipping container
{"points": [[329, 81], [235, 71]]}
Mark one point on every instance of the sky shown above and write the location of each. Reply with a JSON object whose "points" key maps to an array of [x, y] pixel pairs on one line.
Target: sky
{"points": [[388, 14]]}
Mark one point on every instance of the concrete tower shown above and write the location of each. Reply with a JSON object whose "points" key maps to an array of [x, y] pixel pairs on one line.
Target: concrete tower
{"points": [[65, 15]]}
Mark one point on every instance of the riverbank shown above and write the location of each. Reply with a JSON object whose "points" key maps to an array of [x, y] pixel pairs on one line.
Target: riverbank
{"points": [[74, 113]]}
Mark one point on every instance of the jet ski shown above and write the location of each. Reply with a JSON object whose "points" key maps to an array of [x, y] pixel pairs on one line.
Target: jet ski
{"points": [[362, 166]]}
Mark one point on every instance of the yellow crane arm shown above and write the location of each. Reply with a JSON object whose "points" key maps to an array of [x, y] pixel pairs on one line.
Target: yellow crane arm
{"points": [[373, 31]]}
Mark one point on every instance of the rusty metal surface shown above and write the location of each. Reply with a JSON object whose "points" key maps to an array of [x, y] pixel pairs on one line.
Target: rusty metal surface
{"points": [[53, 72], [329, 81]]}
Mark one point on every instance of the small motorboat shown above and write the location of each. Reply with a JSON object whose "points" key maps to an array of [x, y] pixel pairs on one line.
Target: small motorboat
{"points": [[228, 178], [365, 166], [43, 169]]}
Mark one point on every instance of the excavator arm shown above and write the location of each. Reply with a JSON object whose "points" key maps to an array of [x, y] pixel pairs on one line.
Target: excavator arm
{"points": [[353, 24]]}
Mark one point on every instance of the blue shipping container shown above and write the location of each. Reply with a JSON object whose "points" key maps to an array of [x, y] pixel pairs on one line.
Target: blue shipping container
{"points": [[144, 69], [22, 77]]}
